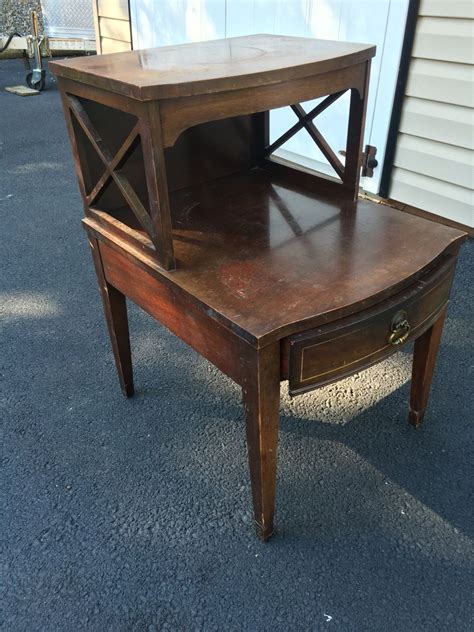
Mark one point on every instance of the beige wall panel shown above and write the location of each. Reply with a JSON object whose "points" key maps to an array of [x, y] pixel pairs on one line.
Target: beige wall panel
{"points": [[114, 46], [115, 29], [117, 9]]}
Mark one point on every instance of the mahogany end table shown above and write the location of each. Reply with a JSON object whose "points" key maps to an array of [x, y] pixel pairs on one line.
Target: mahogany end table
{"points": [[268, 270]]}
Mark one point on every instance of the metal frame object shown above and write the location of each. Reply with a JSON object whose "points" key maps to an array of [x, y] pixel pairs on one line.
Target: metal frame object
{"points": [[36, 78], [36, 46]]}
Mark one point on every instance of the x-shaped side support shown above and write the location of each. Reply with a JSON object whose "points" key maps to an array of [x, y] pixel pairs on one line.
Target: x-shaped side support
{"points": [[111, 163], [306, 121]]}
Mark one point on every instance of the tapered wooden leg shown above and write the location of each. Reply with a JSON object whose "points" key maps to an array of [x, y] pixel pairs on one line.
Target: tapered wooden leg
{"points": [[424, 358], [115, 309], [261, 396]]}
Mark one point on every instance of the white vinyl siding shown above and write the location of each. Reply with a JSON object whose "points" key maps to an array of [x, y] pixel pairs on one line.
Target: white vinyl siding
{"points": [[438, 121], [447, 8], [441, 81], [445, 39], [453, 164], [435, 196], [434, 160]]}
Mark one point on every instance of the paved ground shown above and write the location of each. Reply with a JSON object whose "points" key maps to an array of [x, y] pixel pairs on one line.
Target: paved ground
{"points": [[135, 515]]}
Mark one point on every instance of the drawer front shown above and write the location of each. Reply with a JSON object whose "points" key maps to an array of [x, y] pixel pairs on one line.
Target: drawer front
{"points": [[333, 351]]}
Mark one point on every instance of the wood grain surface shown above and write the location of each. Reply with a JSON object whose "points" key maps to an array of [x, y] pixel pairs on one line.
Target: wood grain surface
{"points": [[208, 67]]}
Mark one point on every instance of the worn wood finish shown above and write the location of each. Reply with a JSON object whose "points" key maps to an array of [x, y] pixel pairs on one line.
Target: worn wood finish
{"points": [[269, 271], [424, 358], [157, 184], [160, 123], [305, 118], [251, 61], [99, 95], [181, 113], [355, 134], [320, 141], [236, 263], [83, 176], [261, 396], [95, 122], [115, 310], [332, 352], [209, 338], [213, 150]]}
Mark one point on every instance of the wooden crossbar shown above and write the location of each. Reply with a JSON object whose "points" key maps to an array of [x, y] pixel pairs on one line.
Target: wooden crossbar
{"points": [[308, 116], [111, 163], [127, 146], [320, 141]]}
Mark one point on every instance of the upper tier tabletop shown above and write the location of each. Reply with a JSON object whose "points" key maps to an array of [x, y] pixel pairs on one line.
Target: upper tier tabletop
{"points": [[208, 67]]}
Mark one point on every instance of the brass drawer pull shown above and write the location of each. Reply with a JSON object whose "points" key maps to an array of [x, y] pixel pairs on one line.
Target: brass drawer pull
{"points": [[400, 329]]}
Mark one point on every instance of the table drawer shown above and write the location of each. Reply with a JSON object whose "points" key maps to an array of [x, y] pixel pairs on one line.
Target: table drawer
{"points": [[336, 350]]}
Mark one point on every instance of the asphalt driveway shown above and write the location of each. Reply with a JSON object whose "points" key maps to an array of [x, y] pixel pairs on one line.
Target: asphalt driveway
{"points": [[135, 515]]}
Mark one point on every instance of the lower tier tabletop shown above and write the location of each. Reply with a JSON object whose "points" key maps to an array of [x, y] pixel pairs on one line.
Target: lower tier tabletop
{"points": [[270, 258]]}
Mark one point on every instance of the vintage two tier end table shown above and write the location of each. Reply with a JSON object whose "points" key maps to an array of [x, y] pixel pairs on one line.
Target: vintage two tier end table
{"points": [[268, 270]]}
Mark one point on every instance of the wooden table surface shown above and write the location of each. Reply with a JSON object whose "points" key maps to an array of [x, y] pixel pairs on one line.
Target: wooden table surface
{"points": [[206, 67], [266, 255]]}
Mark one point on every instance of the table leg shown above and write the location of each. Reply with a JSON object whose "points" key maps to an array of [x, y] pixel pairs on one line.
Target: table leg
{"points": [[424, 358], [261, 397], [115, 309]]}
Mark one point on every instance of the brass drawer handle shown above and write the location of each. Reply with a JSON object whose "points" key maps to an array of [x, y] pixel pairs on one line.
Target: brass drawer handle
{"points": [[400, 329]]}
